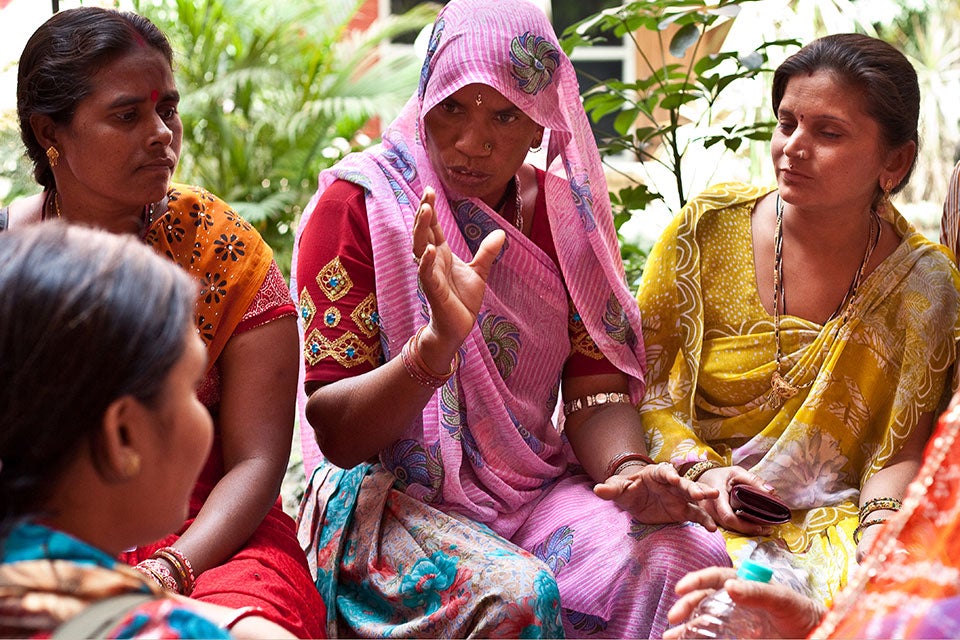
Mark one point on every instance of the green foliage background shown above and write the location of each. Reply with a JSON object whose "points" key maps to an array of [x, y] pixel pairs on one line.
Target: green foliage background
{"points": [[274, 92]]}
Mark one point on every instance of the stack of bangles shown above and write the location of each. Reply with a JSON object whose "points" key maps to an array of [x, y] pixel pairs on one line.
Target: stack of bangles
{"points": [[698, 469], [418, 369], [626, 459], [156, 567], [870, 506]]}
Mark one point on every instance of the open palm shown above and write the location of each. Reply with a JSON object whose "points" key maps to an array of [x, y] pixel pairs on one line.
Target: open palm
{"points": [[657, 494], [453, 288]]}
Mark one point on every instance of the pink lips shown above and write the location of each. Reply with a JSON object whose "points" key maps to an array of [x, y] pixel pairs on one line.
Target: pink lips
{"points": [[792, 174]]}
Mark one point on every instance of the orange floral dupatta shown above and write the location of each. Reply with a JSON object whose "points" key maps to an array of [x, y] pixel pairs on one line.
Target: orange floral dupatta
{"points": [[230, 260], [909, 584]]}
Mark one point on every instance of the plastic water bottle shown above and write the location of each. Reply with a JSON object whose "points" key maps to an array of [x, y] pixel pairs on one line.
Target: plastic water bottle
{"points": [[718, 617]]}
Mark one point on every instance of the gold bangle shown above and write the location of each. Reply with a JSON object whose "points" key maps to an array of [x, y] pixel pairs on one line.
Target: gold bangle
{"points": [[594, 400], [693, 473], [858, 532]]}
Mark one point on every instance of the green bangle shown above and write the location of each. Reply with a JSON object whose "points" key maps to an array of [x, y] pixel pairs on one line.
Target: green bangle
{"points": [[879, 504], [693, 473]]}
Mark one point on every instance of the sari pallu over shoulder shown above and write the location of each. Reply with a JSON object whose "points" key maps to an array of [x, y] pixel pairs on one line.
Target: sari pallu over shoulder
{"points": [[226, 255]]}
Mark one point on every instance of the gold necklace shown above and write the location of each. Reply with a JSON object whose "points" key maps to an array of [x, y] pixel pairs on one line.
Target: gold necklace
{"points": [[146, 219], [518, 203], [783, 388]]}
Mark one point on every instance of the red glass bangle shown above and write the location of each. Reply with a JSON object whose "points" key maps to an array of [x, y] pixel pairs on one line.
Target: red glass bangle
{"points": [[618, 461], [182, 566], [418, 369]]}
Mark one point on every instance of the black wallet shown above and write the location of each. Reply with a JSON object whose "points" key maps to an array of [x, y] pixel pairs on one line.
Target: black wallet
{"points": [[755, 505]]}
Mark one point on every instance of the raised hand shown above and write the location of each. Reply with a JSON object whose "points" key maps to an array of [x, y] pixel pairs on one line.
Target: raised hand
{"points": [[454, 289], [657, 494]]}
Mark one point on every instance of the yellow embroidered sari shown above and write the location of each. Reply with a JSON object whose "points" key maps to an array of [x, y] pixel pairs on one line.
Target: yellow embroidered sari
{"points": [[865, 378]]}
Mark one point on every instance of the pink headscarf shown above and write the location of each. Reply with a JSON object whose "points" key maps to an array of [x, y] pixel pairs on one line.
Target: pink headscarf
{"points": [[510, 46]]}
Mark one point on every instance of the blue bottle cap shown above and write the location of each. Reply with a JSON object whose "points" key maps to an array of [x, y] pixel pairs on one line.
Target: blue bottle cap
{"points": [[755, 571]]}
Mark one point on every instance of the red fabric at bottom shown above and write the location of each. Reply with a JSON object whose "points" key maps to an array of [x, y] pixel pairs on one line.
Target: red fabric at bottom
{"points": [[270, 571]]}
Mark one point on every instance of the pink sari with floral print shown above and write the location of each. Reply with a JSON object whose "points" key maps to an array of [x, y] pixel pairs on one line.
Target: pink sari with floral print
{"points": [[482, 500]]}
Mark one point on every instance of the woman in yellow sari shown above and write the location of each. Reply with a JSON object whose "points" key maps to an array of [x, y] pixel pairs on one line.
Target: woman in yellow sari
{"points": [[801, 339]]}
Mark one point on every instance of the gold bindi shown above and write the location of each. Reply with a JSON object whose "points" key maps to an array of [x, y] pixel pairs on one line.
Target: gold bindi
{"points": [[479, 99]]}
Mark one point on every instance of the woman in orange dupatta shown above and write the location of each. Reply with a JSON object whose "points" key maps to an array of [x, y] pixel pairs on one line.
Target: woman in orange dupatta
{"points": [[97, 103]]}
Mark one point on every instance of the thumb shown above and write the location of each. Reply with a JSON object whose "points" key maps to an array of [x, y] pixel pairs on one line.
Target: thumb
{"points": [[611, 488], [488, 252]]}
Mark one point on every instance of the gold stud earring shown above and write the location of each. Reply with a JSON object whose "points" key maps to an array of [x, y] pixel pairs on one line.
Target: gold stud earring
{"points": [[53, 156], [131, 466]]}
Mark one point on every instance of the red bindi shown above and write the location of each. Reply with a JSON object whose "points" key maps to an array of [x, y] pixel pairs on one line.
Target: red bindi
{"points": [[154, 95]]}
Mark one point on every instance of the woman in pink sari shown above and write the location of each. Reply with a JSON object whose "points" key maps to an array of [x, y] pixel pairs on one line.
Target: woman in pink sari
{"points": [[449, 294]]}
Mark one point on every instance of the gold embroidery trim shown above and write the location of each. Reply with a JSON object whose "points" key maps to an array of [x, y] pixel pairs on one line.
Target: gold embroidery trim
{"points": [[580, 340], [334, 281], [365, 316], [331, 317], [307, 308], [348, 350]]}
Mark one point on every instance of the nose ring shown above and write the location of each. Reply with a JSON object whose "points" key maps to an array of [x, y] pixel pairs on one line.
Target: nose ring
{"points": [[802, 155], [487, 147]]}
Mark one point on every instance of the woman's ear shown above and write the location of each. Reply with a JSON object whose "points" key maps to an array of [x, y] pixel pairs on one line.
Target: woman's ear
{"points": [[897, 164], [120, 455], [44, 129]]}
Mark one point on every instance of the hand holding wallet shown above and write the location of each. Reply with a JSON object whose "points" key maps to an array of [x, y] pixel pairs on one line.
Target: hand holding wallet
{"points": [[758, 506]]}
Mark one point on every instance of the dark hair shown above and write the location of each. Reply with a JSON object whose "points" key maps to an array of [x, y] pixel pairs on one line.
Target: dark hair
{"points": [[86, 317], [885, 77], [60, 59]]}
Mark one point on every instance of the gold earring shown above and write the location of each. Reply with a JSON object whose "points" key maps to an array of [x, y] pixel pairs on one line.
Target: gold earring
{"points": [[131, 466], [53, 156], [885, 200]]}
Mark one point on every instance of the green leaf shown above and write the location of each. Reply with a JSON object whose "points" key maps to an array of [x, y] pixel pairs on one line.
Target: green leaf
{"points": [[625, 120], [686, 37]]}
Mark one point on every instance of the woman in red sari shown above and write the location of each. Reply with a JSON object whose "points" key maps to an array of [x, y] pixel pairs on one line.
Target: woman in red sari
{"points": [[97, 103]]}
